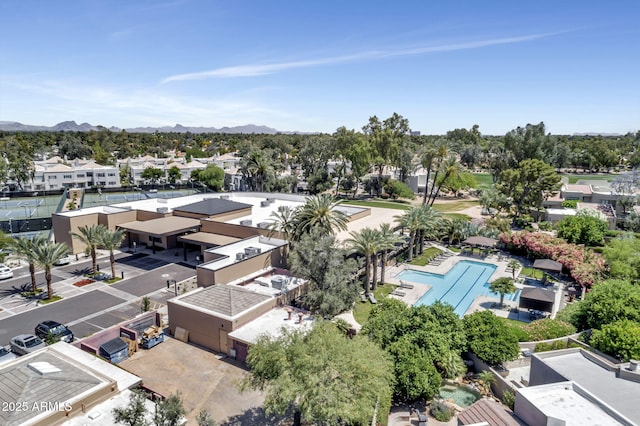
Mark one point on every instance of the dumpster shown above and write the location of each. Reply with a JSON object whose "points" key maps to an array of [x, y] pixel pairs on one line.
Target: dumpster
{"points": [[115, 350]]}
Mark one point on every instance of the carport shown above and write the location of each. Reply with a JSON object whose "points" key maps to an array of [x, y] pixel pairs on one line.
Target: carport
{"points": [[162, 232], [205, 240]]}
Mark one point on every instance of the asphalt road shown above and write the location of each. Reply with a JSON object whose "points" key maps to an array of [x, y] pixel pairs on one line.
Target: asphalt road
{"points": [[97, 309]]}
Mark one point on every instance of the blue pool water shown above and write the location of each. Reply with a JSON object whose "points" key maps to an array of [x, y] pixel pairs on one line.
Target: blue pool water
{"points": [[458, 287]]}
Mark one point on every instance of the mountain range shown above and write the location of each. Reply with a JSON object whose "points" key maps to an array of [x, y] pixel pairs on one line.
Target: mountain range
{"points": [[72, 126]]}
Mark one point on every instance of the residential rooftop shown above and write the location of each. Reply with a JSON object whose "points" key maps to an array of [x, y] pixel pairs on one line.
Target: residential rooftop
{"points": [[272, 324], [225, 301]]}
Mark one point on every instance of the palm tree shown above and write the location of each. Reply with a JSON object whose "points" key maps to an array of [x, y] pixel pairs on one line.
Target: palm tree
{"points": [[486, 379], [514, 265], [284, 221], [388, 242], [320, 212], [502, 285], [451, 168], [430, 223], [46, 256], [111, 240], [410, 220], [89, 235], [364, 242], [24, 249]]}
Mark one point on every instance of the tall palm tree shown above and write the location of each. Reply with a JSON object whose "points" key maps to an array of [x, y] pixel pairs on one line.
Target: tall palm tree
{"points": [[111, 240], [364, 242], [320, 212], [410, 220], [388, 242], [24, 249], [46, 256], [430, 224], [89, 235]]}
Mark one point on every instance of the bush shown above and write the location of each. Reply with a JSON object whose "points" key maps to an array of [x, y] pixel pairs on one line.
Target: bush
{"points": [[545, 226], [396, 189], [570, 204], [509, 399], [441, 411], [620, 339], [548, 328]]}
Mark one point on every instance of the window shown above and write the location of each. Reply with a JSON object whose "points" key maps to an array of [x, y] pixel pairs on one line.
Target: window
{"points": [[67, 177], [80, 175], [100, 175], [52, 177], [111, 174]]}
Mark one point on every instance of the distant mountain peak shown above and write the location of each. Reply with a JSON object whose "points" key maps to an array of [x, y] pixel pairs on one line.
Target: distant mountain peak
{"points": [[72, 126]]}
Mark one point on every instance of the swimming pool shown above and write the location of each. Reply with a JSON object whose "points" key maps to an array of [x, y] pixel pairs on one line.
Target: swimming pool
{"points": [[458, 287]]}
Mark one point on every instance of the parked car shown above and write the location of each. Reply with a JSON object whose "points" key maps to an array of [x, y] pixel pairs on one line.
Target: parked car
{"points": [[26, 343], [56, 330], [5, 272], [63, 260], [6, 355]]}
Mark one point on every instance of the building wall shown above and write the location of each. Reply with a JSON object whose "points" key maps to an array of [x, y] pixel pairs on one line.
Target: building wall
{"points": [[528, 412], [229, 229], [364, 213], [542, 374], [112, 220], [143, 215], [205, 277], [240, 269], [204, 329], [62, 225]]}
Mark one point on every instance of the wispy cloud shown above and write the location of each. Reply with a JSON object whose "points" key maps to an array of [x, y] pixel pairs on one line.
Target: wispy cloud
{"points": [[264, 69]]}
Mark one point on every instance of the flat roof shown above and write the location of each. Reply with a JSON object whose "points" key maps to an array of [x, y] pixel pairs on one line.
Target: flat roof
{"points": [[563, 400], [271, 324], [562, 212], [93, 210], [617, 392], [162, 226], [207, 238], [212, 206], [377, 217], [223, 300], [228, 253], [583, 189]]}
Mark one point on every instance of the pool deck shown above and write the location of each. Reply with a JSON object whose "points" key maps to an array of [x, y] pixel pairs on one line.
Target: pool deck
{"points": [[411, 296]]}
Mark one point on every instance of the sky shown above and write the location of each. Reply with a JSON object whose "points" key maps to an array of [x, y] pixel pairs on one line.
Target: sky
{"points": [[314, 66]]}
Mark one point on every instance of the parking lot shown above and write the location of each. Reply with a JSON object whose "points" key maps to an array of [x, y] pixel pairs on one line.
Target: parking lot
{"points": [[176, 366]]}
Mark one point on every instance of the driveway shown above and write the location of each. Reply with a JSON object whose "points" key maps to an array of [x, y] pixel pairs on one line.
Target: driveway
{"points": [[205, 380]]}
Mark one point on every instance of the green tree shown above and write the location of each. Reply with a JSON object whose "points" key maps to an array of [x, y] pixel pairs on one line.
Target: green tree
{"points": [[502, 285], [387, 240], [213, 177], [134, 413], [486, 379], [588, 230], [321, 375], [46, 255], [415, 374], [111, 240], [489, 338], [152, 174], [609, 301], [515, 265], [169, 411], [317, 258], [174, 174], [623, 258], [528, 185], [90, 237], [25, 249], [619, 338], [321, 212], [204, 419], [396, 189]]}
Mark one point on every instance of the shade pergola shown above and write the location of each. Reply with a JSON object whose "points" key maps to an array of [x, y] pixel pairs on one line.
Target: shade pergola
{"points": [[547, 265], [478, 241], [537, 299]]}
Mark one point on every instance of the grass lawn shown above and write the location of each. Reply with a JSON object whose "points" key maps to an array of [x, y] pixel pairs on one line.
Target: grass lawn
{"points": [[455, 206], [532, 272], [456, 216], [484, 180], [573, 178], [53, 299], [428, 254], [375, 203], [361, 310]]}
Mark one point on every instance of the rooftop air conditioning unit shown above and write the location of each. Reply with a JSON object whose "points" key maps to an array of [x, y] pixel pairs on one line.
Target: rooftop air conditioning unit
{"points": [[246, 222], [263, 225], [162, 209], [265, 203], [224, 197], [239, 256]]}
